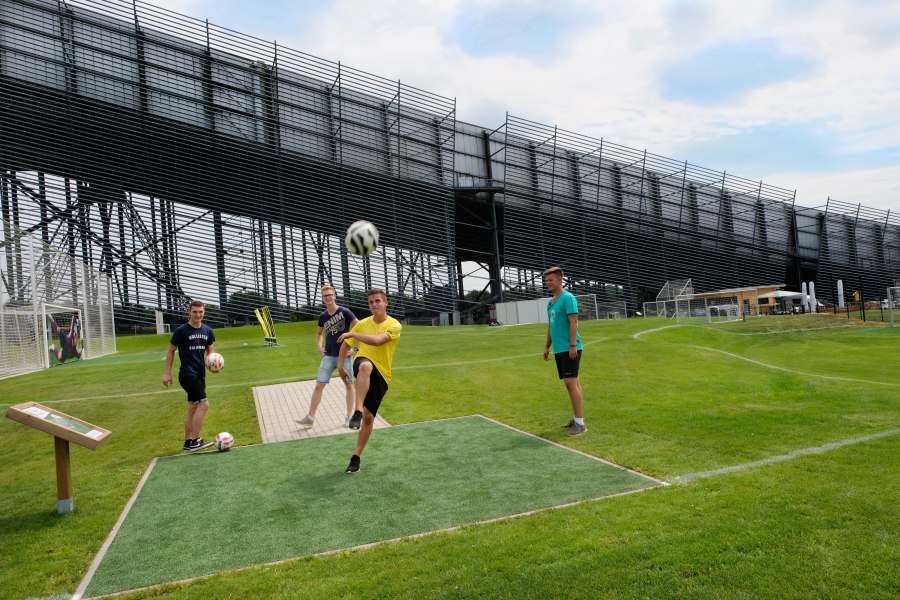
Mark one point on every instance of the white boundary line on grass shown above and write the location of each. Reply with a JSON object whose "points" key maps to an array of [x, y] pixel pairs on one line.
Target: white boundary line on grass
{"points": [[638, 335], [302, 377], [585, 454], [95, 564], [486, 360], [783, 457], [792, 371], [795, 330], [773, 367]]}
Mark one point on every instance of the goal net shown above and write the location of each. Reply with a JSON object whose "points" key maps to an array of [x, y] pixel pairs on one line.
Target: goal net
{"points": [[44, 293], [720, 313], [893, 304], [21, 350], [718, 309], [589, 308], [668, 299]]}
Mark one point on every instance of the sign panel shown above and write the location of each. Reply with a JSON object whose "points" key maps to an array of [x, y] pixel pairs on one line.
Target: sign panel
{"points": [[58, 424]]}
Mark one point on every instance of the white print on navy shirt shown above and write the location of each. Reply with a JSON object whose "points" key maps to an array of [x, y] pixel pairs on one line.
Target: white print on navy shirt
{"points": [[198, 336], [335, 324]]}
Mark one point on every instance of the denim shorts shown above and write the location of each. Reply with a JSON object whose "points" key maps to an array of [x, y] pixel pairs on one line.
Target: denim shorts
{"points": [[329, 364]]}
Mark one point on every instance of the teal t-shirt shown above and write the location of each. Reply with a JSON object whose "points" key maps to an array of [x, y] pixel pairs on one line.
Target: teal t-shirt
{"points": [[558, 315]]}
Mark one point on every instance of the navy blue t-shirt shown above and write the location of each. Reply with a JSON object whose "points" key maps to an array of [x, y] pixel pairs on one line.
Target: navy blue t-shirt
{"points": [[192, 343], [333, 326]]}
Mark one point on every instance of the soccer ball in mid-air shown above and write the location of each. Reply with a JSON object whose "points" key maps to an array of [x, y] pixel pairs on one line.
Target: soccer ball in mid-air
{"points": [[362, 238], [215, 362], [224, 441]]}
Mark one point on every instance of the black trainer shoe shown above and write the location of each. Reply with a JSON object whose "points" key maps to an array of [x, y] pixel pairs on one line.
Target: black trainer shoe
{"points": [[187, 445], [353, 467], [355, 420], [576, 429], [199, 444]]}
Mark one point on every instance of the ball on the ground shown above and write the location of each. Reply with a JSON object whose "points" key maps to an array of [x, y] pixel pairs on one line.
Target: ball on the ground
{"points": [[224, 441], [361, 238], [215, 362]]}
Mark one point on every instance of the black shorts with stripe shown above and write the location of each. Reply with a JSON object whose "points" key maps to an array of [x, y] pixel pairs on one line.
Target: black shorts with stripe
{"points": [[378, 387]]}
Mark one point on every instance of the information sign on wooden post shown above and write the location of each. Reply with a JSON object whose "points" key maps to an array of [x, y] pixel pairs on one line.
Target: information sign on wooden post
{"points": [[64, 428]]}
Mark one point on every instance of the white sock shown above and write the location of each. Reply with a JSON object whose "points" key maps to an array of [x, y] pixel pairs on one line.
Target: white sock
{"points": [[578, 421]]}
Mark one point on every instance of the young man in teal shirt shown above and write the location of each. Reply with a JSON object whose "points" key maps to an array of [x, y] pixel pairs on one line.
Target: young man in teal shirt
{"points": [[562, 333]]}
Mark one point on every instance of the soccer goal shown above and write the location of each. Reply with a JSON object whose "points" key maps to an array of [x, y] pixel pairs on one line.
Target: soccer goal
{"points": [[893, 303], [49, 299], [722, 313], [21, 350], [716, 309], [589, 308]]}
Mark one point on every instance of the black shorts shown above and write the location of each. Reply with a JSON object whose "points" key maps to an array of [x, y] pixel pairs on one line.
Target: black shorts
{"points": [[378, 387], [565, 366], [194, 386]]}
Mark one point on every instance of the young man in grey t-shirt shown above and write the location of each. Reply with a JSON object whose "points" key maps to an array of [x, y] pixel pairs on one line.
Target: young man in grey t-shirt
{"points": [[334, 321]]}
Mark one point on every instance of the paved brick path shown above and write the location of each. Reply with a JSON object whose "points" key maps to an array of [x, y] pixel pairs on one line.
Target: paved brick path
{"points": [[280, 406]]}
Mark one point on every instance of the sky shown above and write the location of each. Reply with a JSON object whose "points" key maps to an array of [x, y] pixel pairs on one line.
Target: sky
{"points": [[801, 94]]}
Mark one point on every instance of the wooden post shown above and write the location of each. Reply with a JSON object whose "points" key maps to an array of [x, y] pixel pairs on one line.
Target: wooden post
{"points": [[64, 429], [65, 503]]}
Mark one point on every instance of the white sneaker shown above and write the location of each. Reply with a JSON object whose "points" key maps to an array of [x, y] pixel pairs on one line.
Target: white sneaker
{"points": [[346, 421], [307, 421]]}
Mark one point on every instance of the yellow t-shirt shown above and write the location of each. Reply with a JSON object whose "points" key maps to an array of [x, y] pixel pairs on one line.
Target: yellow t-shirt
{"points": [[381, 356]]}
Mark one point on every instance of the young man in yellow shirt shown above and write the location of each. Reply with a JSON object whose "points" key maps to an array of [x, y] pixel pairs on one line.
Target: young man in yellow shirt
{"points": [[376, 338]]}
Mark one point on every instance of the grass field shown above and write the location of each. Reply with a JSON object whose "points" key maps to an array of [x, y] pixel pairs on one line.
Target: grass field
{"points": [[781, 436]]}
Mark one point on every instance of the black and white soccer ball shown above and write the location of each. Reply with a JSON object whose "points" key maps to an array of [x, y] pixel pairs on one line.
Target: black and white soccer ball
{"points": [[361, 238]]}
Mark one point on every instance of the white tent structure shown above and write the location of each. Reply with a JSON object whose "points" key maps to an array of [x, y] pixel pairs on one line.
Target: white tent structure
{"points": [[781, 296]]}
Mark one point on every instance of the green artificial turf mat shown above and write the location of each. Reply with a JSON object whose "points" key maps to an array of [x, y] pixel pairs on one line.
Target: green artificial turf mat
{"points": [[210, 512]]}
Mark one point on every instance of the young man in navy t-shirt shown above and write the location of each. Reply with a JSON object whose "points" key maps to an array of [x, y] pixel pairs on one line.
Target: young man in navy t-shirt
{"points": [[194, 342]]}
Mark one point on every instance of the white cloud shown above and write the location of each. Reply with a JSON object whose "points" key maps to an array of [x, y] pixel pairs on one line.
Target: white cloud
{"points": [[604, 77], [873, 188]]}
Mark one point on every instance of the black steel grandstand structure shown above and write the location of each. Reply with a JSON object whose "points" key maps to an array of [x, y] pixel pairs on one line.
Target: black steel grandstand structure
{"points": [[189, 161]]}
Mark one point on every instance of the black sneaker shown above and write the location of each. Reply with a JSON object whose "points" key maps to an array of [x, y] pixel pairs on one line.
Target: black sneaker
{"points": [[576, 429], [199, 444], [187, 445], [355, 421], [353, 467]]}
